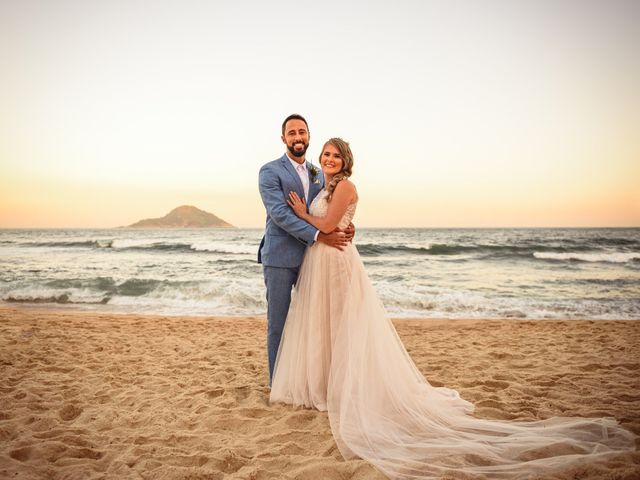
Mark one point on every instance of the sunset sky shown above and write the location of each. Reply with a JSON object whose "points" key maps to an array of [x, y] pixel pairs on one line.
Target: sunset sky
{"points": [[459, 114]]}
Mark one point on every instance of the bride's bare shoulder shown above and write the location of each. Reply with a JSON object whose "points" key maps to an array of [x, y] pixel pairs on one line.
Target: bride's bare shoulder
{"points": [[347, 185], [347, 188]]}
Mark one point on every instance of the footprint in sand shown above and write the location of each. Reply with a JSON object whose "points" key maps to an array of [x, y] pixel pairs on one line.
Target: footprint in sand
{"points": [[291, 448], [299, 420], [21, 454], [215, 393], [496, 384], [8, 433], [489, 403], [231, 462], [70, 412], [241, 393], [65, 452]]}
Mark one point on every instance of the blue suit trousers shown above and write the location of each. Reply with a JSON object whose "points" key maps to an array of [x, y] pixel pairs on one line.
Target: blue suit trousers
{"points": [[279, 282]]}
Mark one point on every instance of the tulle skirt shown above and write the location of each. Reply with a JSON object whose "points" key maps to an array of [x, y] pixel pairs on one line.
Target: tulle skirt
{"points": [[340, 353]]}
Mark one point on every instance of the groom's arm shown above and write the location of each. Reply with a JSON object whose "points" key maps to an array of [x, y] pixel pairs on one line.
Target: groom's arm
{"points": [[273, 199]]}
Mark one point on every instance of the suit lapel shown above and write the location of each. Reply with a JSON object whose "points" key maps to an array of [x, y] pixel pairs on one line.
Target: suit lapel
{"points": [[314, 188], [292, 171]]}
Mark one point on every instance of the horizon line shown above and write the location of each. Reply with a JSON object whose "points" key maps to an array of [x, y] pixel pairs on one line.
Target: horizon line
{"points": [[360, 227]]}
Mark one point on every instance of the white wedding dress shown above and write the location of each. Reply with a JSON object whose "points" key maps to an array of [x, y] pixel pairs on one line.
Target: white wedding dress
{"points": [[340, 353]]}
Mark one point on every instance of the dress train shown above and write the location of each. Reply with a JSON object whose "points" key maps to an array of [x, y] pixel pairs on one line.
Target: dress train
{"points": [[340, 353]]}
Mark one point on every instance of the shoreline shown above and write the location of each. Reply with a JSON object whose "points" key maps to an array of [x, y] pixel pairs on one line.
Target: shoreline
{"points": [[100, 395], [80, 310]]}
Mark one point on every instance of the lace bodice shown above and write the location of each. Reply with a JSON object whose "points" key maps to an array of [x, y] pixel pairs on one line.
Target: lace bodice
{"points": [[319, 207]]}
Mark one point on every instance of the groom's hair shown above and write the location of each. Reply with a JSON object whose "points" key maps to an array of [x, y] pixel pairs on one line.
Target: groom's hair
{"points": [[293, 116]]}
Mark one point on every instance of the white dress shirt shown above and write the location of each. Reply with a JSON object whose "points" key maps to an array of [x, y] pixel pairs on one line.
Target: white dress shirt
{"points": [[303, 173]]}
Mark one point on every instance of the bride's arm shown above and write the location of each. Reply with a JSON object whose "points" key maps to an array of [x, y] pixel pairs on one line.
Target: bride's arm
{"points": [[343, 195]]}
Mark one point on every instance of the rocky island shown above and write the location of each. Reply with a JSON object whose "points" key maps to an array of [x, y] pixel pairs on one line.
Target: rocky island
{"points": [[185, 216]]}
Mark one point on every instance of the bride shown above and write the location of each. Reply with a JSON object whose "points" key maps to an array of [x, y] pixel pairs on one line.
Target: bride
{"points": [[340, 353]]}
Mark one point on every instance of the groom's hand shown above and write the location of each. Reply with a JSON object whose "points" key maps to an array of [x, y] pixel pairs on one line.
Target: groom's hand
{"points": [[335, 239], [350, 232]]}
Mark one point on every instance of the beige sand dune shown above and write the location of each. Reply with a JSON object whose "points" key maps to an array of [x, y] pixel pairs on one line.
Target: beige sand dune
{"points": [[92, 396]]}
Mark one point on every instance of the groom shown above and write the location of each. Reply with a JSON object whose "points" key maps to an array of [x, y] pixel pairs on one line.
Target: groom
{"points": [[286, 236]]}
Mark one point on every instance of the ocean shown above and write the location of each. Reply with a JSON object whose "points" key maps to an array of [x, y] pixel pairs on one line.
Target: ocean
{"points": [[429, 273]]}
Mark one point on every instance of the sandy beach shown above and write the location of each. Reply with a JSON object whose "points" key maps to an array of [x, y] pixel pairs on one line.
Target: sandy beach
{"points": [[89, 396]]}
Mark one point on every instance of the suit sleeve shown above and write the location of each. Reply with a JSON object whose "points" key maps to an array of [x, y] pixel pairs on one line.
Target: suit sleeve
{"points": [[273, 200]]}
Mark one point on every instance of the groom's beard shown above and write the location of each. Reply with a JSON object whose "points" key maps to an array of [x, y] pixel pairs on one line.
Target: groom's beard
{"points": [[298, 153]]}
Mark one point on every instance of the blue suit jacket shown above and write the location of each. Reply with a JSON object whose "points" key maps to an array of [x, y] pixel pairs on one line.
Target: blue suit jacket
{"points": [[286, 236]]}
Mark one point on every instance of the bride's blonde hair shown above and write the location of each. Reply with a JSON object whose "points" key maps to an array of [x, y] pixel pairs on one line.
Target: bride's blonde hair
{"points": [[347, 163]]}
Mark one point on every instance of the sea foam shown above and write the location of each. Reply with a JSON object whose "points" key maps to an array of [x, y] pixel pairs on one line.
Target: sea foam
{"points": [[612, 257]]}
